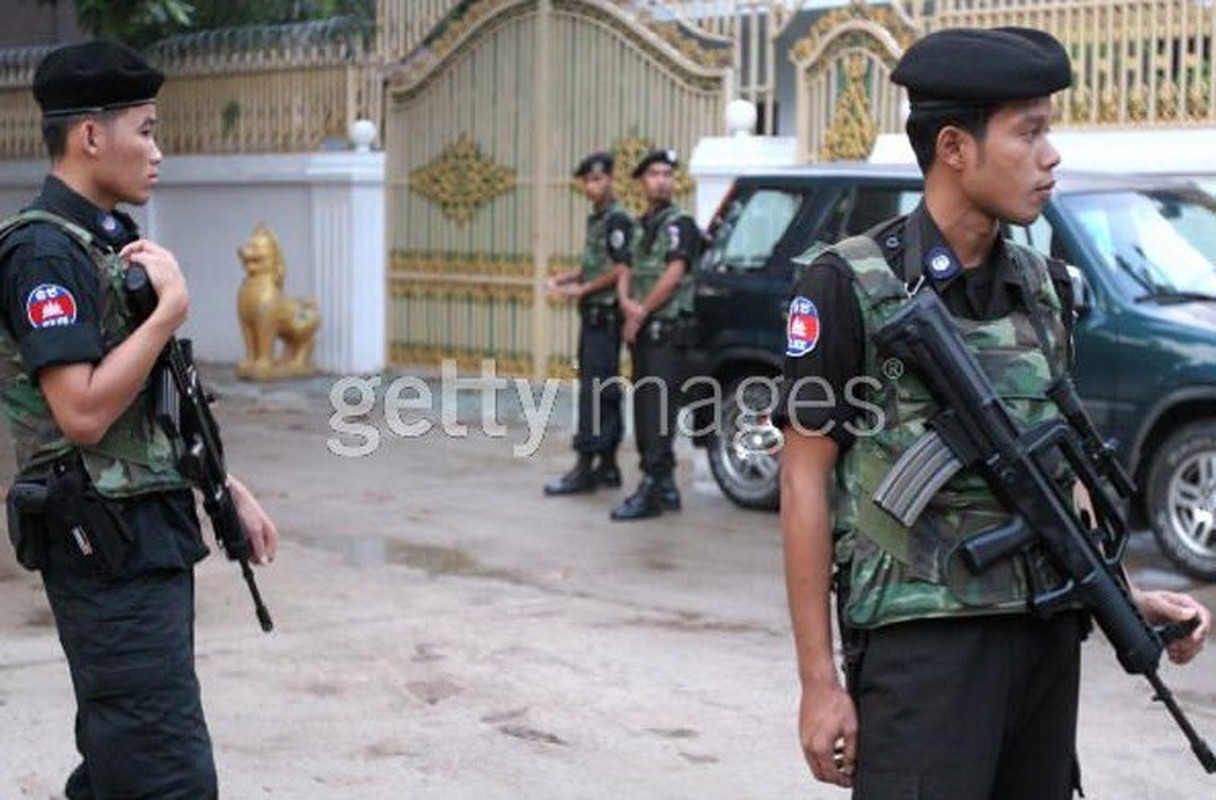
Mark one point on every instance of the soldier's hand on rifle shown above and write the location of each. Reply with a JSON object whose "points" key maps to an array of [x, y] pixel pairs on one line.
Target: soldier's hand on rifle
{"points": [[173, 297], [1160, 607], [263, 535], [1083, 503], [827, 728]]}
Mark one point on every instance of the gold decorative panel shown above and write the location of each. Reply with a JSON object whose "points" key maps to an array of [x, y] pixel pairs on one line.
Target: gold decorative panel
{"points": [[853, 132], [461, 180]]}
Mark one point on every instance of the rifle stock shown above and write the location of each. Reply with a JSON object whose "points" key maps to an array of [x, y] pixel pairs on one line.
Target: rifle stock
{"points": [[1016, 463]]}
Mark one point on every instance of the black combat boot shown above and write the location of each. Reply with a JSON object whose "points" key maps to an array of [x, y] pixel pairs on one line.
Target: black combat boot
{"points": [[579, 480], [642, 504], [606, 471], [669, 493]]}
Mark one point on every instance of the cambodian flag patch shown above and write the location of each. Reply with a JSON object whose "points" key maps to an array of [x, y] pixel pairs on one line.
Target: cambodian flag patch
{"points": [[49, 305], [802, 330]]}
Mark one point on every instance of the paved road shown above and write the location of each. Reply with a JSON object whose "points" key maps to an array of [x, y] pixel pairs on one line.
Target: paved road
{"points": [[446, 632]]}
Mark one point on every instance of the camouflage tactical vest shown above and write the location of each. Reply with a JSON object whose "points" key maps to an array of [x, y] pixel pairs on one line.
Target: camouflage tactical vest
{"points": [[900, 573], [595, 253], [135, 456], [650, 262]]}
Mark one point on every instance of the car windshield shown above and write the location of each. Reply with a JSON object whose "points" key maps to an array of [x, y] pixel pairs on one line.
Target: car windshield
{"points": [[1162, 240]]}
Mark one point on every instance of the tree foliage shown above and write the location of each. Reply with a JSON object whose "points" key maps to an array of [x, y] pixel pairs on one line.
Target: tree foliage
{"points": [[142, 22]]}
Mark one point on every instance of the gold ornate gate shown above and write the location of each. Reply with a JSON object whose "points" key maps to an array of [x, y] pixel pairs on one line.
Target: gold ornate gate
{"points": [[845, 95], [483, 127]]}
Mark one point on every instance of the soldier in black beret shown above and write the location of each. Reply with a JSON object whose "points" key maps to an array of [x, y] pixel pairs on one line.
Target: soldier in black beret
{"points": [[606, 255], [954, 688], [118, 536], [657, 156], [656, 298]]}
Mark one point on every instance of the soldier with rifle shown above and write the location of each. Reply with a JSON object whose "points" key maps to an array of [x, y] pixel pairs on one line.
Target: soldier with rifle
{"points": [[111, 431], [943, 518]]}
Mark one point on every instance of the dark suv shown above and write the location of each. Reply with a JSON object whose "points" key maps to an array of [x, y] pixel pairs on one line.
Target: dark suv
{"points": [[1144, 252]]}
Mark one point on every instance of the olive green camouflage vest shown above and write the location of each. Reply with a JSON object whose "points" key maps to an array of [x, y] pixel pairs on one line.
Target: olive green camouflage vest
{"points": [[900, 573], [135, 456], [595, 252], [650, 262]]}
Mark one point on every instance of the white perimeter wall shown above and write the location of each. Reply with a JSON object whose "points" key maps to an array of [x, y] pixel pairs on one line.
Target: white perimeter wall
{"points": [[328, 212]]}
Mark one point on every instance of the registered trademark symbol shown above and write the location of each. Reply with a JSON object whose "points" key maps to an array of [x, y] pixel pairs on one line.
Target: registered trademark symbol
{"points": [[893, 368]]}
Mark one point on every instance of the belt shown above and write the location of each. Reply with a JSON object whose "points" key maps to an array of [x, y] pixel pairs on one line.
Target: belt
{"points": [[599, 313]]}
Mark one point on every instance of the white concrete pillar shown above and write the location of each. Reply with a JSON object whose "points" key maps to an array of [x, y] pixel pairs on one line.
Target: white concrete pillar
{"points": [[348, 244]]}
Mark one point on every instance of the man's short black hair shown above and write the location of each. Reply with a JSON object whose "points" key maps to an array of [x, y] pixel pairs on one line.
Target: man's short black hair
{"points": [[55, 130], [924, 124]]}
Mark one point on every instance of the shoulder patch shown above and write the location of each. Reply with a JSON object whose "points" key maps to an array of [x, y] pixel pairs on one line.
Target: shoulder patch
{"points": [[673, 233], [802, 329], [616, 239], [50, 305]]}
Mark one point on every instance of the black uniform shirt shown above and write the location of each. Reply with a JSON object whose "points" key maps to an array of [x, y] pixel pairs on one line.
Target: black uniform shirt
{"points": [[50, 289], [988, 291], [64, 327], [683, 230]]}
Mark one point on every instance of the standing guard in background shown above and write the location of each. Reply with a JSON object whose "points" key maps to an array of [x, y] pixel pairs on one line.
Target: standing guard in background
{"points": [[100, 505], [606, 255], [656, 297]]}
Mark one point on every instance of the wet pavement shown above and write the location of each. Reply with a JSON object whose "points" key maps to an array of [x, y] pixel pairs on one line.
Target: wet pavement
{"points": [[444, 631]]}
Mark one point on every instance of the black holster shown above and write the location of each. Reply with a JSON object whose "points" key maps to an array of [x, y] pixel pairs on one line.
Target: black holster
{"points": [[26, 512], [91, 525]]}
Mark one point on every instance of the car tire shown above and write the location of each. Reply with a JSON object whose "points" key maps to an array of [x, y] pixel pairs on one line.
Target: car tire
{"points": [[1182, 499], [743, 449]]}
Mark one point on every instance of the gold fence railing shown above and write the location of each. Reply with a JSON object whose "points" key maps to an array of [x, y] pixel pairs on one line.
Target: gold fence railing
{"points": [[20, 127], [282, 88], [402, 25], [1135, 62]]}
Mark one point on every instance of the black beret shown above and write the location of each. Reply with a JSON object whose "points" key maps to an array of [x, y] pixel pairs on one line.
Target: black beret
{"points": [[971, 66], [94, 76], [668, 157], [594, 163]]}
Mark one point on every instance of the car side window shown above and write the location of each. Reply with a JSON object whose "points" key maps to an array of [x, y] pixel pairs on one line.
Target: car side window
{"points": [[872, 205], [756, 228], [1039, 235]]}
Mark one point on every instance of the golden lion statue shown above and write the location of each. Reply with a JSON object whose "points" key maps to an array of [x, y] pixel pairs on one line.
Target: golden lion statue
{"points": [[268, 315]]}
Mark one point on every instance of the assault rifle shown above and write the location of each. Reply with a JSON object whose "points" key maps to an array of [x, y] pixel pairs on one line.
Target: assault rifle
{"points": [[183, 408], [975, 430]]}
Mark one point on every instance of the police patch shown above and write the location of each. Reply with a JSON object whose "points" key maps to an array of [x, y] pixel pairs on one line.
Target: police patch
{"points": [[616, 239], [802, 329], [50, 305]]}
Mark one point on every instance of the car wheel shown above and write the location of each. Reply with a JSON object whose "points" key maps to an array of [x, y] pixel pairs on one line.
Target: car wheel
{"points": [[743, 452], [1182, 499]]}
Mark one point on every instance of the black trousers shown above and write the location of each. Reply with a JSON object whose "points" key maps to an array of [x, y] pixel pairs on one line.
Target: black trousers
{"points": [[970, 709], [599, 386], [129, 642], [656, 401]]}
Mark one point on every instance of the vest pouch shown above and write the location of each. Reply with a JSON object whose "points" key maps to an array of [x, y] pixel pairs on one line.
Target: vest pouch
{"points": [[90, 524], [26, 511]]}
